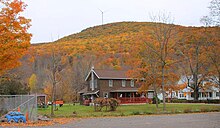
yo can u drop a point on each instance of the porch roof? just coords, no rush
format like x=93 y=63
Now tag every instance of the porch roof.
x=124 y=91
x=127 y=90
x=84 y=90
x=91 y=93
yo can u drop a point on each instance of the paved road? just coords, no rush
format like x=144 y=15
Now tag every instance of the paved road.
x=202 y=120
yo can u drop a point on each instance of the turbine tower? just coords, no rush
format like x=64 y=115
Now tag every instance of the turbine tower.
x=102 y=15
x=102 y=12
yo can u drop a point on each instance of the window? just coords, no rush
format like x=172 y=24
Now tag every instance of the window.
x=123 y=83
x=181 y=95
x=150 y=94
x=110 y=82
x=132 y=83
x=210 y=94
x=95 y=83
x=217 y=94
x=90 y=84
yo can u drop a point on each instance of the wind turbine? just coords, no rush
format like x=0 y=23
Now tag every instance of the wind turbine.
x=102 y=12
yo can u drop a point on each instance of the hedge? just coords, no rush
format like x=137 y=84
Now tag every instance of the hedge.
x=199 y=101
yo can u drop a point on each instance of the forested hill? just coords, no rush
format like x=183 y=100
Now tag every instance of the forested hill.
x=109 y=29
x=110 y=46
x=105 y=38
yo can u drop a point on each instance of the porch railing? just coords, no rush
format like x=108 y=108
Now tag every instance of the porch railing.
x=125 y=100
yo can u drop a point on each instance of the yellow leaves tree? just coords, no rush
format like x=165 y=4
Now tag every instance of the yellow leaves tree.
x=32 y=83
x=48 y=90
x=14 y=39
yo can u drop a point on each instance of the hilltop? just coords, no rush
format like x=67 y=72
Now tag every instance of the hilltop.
x=110 y=39
x=99 y=37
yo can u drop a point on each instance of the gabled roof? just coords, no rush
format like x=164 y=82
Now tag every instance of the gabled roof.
x=109 y=74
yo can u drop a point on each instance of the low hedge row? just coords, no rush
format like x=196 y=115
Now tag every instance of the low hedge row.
x=199 y=101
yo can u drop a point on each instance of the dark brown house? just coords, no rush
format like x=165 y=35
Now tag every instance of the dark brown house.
x=113 y=84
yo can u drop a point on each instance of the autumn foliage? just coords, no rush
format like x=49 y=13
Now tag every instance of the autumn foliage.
x=14 y=39
x=118 y=46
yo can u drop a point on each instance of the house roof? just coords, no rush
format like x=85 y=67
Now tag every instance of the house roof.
x=109 y=74
x=91 y=93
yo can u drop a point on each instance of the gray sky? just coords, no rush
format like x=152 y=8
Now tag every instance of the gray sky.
x=53 y=19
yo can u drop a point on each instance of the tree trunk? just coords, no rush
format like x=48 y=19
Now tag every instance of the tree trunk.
x=195 y=81
x=52 y=110
x=195 y=76
x=163 y=92
x=154 y=85
x=53 y=83
x=155 y=94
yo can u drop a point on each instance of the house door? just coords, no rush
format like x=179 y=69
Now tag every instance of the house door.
x=105 y=94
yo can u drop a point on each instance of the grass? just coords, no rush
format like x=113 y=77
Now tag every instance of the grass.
x=125 y=110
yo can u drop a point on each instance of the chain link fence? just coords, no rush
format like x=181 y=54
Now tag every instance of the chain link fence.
x=26 y=104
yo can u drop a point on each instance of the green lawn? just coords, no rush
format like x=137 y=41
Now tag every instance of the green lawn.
x=125 y=110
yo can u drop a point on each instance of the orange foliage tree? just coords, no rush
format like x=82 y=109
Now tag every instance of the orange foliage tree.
x=162 y=45
x=14 y=39
x=200 y=51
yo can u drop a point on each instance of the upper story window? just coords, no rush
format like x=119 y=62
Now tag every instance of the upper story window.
x=132 y=83
x=123 y=83
x=95 y=83
x=110 y=83
x=90 y=84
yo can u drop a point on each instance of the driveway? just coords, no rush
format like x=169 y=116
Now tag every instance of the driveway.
x=201 y=120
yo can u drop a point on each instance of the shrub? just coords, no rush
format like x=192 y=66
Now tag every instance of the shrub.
x=204 y=109
x=173 y=110
x=213 y=101
x=136 y=113
x=187 y=110
x=2 y=112
x=154 y=100
x=110 y=103
x=122 y=114
x=199 y=101
x=179 y=101
x=148 y=113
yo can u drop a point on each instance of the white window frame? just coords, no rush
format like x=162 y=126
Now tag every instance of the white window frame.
x=132 y=83
x=110 y=83
x=123 y=83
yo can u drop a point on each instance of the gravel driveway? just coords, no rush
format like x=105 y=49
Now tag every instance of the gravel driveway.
x=201 y=120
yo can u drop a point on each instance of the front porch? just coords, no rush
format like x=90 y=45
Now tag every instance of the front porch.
x=131 y=97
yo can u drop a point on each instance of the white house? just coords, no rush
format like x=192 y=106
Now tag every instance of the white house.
x=210 y=92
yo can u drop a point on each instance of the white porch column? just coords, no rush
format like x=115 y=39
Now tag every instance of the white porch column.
x=213 y=95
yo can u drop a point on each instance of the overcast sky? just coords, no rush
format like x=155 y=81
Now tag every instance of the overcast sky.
x=53 y=19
